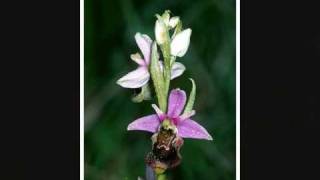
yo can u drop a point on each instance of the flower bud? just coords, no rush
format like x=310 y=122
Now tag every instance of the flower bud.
x=166 y=17
x=160 y=32
x=173 y=22
x=180 y=43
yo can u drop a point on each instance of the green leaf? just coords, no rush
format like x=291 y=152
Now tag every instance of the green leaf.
x=191 y=99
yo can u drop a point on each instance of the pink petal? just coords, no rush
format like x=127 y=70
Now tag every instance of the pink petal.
x=160 y=114
x=144 y=42
x=135 y=79
x=147 y=123
x=177 y=100
x=191 y=129
x=177 y=69
x=138 y=59
x=187 y=115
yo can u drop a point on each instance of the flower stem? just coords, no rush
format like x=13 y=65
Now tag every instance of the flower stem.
x=164 y=41
x=161 y=177
x=165 y=48
x=150 y=174
x=157 y=78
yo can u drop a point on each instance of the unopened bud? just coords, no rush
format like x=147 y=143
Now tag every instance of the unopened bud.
x=180 y=43
x=174 y=21
x=160 y=31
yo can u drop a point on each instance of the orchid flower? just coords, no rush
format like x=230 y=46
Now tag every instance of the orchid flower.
x=139 y=77
x=185 y=127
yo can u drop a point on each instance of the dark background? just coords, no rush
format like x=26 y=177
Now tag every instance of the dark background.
x=40 y=90
x=113 y=153
x=280 y=53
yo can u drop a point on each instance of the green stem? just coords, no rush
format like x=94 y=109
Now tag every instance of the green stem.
x=161 y=176
x=165 y=48
x=157 y=78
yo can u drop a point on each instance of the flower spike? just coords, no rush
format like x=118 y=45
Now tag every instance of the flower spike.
x=172 y=120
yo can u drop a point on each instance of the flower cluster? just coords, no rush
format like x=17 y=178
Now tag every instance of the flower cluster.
x=171 y=121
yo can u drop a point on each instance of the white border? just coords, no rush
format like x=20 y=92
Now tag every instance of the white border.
x=238 y=89
x=81 y=90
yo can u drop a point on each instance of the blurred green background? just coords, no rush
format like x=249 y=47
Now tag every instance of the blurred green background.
x=111 y=152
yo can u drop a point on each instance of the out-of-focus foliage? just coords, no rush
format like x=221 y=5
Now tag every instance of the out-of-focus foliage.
x=111 y=152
